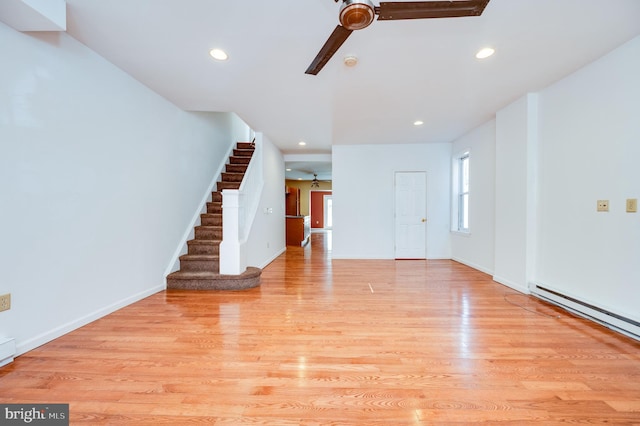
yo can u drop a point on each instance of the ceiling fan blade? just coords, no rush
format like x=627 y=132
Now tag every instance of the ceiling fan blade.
x=430 y=9
x=337 y=37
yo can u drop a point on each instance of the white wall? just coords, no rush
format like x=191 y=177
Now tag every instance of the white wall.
x=98 y=178
x=363 y=197
x=476 y=249
x=267 y=236
x=590 y=150
x=556 y=153
x=514 y=141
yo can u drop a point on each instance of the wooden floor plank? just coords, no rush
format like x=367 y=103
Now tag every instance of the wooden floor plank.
x=338 y=342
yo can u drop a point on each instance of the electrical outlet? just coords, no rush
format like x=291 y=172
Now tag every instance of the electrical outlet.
x=5 y=302
x=603 y=205
x=632 y=205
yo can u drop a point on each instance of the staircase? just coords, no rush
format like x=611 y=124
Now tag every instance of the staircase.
x=199 y=268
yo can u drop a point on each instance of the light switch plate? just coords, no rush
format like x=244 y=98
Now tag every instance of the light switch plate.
x=603 y=205
x=632 y=205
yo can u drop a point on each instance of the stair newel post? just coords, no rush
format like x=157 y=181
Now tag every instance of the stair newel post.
x=232 y=258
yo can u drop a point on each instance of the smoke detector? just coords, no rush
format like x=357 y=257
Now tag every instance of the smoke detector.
x=351 y=60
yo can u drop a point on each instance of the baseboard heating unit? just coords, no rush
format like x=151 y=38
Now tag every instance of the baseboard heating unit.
x=7 y=350
x=616 y=322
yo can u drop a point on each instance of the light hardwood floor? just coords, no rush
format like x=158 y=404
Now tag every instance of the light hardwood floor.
x=321 y=342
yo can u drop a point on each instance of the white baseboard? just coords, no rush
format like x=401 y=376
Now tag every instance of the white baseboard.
x=342 y=257
x=272 y=258
x=511 y=284
x=473 y=265
x=30 y=344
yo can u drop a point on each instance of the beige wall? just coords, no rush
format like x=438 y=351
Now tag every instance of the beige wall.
x=305 y=188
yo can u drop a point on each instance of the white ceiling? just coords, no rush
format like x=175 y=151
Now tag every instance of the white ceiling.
x=407 y=70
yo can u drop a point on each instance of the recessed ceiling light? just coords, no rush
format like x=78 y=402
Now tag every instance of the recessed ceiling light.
x=218 y=54
x=418 y=123
x=302 y=143
x=485 y=53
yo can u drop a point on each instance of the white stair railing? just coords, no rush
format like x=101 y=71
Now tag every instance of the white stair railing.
x=239 y=207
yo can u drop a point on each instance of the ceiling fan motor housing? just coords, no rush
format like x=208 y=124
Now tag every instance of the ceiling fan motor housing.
x=356 y=14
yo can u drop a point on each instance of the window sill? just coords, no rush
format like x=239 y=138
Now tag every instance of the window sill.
x=465 y=234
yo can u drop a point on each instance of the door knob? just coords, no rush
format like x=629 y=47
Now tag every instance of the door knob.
x=424 y=220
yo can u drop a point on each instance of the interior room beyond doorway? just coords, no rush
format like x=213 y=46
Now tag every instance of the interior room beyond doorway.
x=314 y=202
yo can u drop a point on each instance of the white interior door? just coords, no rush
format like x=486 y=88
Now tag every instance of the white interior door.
x=411 y=214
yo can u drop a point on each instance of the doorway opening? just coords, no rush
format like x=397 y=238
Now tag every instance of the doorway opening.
x=328 y=211
x=321 y=208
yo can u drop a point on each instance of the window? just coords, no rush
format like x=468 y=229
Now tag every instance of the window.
x=463 y=193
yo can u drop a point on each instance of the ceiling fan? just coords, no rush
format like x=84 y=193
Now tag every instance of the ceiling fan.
x=359 y=14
